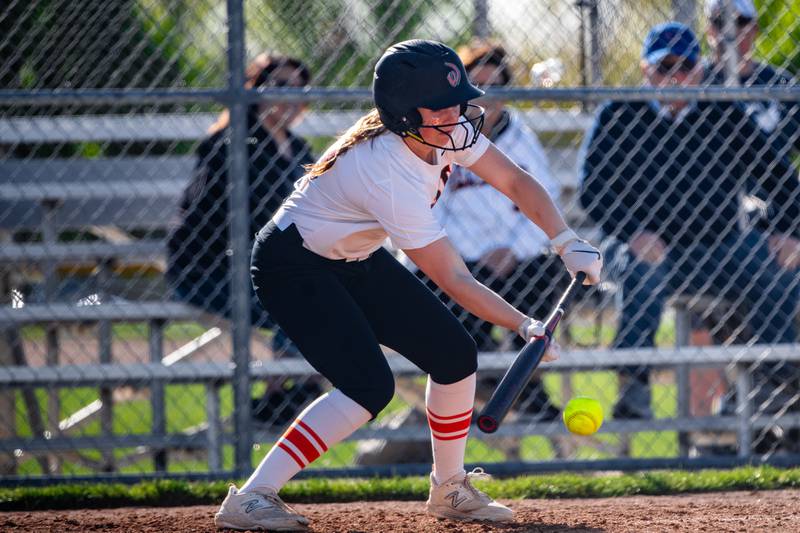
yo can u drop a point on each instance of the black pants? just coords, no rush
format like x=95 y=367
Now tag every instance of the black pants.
x=338 y=312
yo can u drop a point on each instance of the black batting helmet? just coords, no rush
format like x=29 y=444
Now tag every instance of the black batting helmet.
x=422 y=73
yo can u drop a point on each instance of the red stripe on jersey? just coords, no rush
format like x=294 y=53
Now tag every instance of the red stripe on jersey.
x=302 y=443
x=313 y=434
x=453 y=437
x=465 y=413
x=293 y=455
x=449 y=427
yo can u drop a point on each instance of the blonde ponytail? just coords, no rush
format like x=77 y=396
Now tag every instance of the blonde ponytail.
x=367 y=127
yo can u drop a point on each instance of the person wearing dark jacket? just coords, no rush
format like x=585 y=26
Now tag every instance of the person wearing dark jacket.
x=664 y=181
x=778 y=120
x=199 y=244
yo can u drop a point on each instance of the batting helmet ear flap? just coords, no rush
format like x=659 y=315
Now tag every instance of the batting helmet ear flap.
x=413 y=119
x=411 y=122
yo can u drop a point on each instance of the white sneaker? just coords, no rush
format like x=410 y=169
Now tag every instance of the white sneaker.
x=456 y=498
x=257 y=511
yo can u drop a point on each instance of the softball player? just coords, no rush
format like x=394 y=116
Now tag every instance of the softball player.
x=319 y=269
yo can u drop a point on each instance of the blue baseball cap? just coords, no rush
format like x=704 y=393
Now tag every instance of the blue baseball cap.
x=670 y=38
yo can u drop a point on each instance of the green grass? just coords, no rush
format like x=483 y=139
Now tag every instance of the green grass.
x=185 y=407
x=564 y=485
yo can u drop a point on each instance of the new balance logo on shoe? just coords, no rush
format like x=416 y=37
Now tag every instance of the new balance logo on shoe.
x=455 y=501
x=257 y=511
x=252 y=505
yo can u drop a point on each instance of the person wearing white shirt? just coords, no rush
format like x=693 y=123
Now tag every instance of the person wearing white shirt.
x=320 y=270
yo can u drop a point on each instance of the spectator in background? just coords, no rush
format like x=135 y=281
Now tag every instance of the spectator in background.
x=199 y=245
x=663 y=179
x=779 y=121
x=502 y=248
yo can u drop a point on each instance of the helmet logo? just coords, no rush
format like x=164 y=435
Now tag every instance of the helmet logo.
x=454 y=76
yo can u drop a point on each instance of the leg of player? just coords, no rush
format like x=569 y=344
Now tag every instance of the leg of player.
x=452 y=494
x=443 y=349
x=325 y=422
x=335 y=339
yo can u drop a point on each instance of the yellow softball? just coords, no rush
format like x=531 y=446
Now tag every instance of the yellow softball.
x=582 y=415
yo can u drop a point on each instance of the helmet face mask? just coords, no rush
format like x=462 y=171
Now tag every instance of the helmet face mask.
x=470 y=123
x=425 y=74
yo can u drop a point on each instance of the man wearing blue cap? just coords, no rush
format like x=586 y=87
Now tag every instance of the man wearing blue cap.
x=663 y=179
x=780 y=121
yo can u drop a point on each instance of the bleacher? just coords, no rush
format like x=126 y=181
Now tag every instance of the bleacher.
x=114 y=195
x=51 y=195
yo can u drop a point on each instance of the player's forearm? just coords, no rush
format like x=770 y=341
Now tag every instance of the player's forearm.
x=535 y=203
x=482 y=301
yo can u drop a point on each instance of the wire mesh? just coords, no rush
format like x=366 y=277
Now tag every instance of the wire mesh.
x=115 y=219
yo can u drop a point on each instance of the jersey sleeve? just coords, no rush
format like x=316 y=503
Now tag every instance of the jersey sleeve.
x=404 y=213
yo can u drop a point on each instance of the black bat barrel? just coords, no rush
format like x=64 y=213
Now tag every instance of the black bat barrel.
x=512 y=384
x=523 y=367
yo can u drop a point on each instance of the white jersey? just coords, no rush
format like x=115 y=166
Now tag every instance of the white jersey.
x=478 y=218
x=377 y=189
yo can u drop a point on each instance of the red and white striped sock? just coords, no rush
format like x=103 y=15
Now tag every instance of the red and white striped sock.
x=329 y=419
x=449 y=417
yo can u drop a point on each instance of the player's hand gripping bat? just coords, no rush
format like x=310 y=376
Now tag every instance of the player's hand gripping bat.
x=521 y=370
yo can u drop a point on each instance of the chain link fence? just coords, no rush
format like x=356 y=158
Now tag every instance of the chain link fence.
x=138 y=136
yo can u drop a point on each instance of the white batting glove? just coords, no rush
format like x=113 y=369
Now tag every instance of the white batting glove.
x=530 y=329
x=578 y=256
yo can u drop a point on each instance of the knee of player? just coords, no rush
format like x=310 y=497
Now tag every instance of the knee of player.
x=460 y=361
x=384 y=396
x=378 y=395
x=468 y=352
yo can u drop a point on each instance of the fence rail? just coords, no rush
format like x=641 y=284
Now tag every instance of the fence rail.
x=123 y=97
x=215 y=375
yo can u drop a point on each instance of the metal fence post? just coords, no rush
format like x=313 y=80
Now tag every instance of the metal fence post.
x=730 y=38
x=594 y=40
x=683 y=328
x=481 y=21
x=214 y=433
x=105 y=347
x=744 y=409
x=50 y=237
x=157 y=394
x=239 y=237
x=8 y=406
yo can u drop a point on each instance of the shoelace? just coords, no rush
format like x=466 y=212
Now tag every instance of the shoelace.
x=275 y=500
x=477 y=473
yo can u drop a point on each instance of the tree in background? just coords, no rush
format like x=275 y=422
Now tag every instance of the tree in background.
x=114 y=44
x=52 y=44
x=779 y=39
x=341 y=39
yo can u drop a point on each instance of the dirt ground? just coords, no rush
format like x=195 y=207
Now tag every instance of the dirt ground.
x=773 y=511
